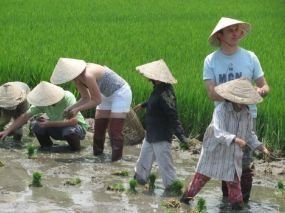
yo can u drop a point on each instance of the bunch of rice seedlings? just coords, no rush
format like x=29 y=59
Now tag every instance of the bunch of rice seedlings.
x=280 y=185
x=37 y=177
x=118 y=187
x=133 y=184
x=201 y=205
x=176 y=188
x=121 y=173
x=73 y=181
x=151 y=181
x=31 y=150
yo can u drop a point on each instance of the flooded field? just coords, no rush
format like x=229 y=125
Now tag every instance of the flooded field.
x=95 y=173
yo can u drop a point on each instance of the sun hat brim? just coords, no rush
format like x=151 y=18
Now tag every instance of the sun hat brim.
x=11 y=96
x=226 y=22
x=45 y=94
x=239 y=91
x=67 y=69
x=157 y=70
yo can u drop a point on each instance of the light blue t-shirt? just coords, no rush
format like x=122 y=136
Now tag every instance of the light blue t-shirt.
x=222 y=68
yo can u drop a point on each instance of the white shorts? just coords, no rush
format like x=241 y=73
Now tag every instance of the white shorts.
x=119 y=101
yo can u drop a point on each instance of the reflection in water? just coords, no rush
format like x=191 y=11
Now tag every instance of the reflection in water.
x=95 y=174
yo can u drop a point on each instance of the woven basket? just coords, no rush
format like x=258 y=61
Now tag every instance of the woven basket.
x=133 y=130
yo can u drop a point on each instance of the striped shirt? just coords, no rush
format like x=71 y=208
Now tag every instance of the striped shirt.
x=220 y=158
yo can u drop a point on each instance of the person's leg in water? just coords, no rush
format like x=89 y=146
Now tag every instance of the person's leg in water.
x=198 y=182
x=100 y=128
x=234 y=193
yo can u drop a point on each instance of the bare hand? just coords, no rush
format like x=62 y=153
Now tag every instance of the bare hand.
x=3 y=135
x=265 y=151
x=240 y=142
x=69 y=113
x=260 y=91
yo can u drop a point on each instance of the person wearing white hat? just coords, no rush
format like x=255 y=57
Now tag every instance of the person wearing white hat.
x=51 y=100
x=13 y=103
x=161 y=114
x=224 y=140
x=104 y=89
x=230 y=62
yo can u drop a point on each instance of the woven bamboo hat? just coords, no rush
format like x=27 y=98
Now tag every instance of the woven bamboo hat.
x=11 y=96
x=226 y=22
x=239 y=91
x=66 y=70
x=45 y=94
x=157 y=70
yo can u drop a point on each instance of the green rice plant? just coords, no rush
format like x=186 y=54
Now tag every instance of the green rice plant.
x=73 y=181
x=31 y=43
x=121 y=173
x=118 y=187
x=37 y=177
x=201 y=205
x=151 y=181
x=133 y=184
x=280 y=185
x=184 y=146
x=175 y=188
x=31 y=150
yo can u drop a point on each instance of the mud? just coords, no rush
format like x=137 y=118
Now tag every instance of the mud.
x=60 y=165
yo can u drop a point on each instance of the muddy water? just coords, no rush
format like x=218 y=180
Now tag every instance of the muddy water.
x=95 y=173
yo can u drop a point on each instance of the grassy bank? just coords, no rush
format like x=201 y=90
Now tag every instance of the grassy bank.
x=125 y=33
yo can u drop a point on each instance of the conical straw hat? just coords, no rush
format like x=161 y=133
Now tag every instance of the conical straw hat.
x=45 y=94
x=20 y=85
x=66 y=70
x=226 y=22
x=11 y=96
x=239 y=91
x=157 y=70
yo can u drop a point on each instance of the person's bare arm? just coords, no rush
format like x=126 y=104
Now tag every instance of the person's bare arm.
x=90 y=95
x=20 y=121
x=262 y=86
x=44 y=123
x=210 y=86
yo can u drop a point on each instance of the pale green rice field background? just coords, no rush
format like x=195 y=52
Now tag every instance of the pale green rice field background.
x=125 y=33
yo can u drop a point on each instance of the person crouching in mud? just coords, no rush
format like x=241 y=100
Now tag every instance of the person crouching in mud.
x=51 y=100
x=13 y=102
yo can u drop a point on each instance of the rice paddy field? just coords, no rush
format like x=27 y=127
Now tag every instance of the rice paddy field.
x=125 y=33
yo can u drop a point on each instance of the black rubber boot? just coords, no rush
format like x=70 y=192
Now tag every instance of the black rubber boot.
x=73 y=141
x=100 y=128
x=246 y=183
x=225 y=189
x=44 y=140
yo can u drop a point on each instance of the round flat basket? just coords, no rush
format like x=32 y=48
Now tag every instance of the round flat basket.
x=133 y=130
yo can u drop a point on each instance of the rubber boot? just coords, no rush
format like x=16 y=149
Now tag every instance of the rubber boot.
x=73 y=141
x=116 y=137
x=100 y=128
x=44 y=140
x=225 y=189
x=246 y=183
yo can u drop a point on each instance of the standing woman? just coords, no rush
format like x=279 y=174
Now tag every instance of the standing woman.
x=102 y=88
